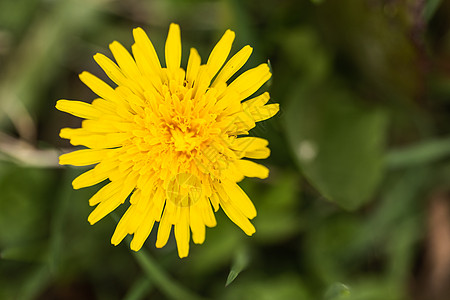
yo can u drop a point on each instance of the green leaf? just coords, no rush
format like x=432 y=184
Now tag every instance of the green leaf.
x=30 y=252
x=375 y=288
x=338 y=291
x=274 y=286
x=430 y=8
x=338 y=142
x=284 y=210
x=34 y=284
x=304 y=51
x=419 y=154
x=240 y=262
x=329 y=249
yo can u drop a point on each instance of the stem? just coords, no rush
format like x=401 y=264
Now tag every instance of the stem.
x=168 y=286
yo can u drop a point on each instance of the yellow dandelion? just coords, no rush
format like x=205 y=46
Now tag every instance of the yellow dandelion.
x=169 y=139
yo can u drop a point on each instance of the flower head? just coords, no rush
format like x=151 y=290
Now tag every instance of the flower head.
x=170 y=139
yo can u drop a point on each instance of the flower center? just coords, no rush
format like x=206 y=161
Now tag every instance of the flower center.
x=182 y=131
x=188 y=123
x=184 y=140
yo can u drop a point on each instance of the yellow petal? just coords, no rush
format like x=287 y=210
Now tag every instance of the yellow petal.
x=233 y=65
x=68 y=133
x=142 y=234
x=193 y=67
x=242 y=121
x=230 y=103
x=173 y=48
x=207 y=213
x=150 y=74
x=79 y=109
x=124 y=60
x=149 y=53
x=113 y=200
x=121 y=230
x=220 y=53
x=106 y=107
x=214 y=201
x=117 y=75
x=182 y=233
x=250 y=81
x=261 y=153
x=83 y=157
x=196 y=224
x=251 y=169
x=131 y=97
x=99 y=126
x=256 y=102
x=143 y=230
x=165 y=225
x=142 y=62
x=231 y=172
x=96 y=175
x=110 y=68
x=105 y=207
x=239 y=199
x=248 y=143
x=99 y=87
x=264 y=112
x=105 y=192
x=158 y=203
x=238 y=218
x=143 y=211
x=88 y=178
x=101 y=141
x=251 y=147
x=202 y=81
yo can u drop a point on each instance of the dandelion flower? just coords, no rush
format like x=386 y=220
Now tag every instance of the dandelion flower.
x=172 y=140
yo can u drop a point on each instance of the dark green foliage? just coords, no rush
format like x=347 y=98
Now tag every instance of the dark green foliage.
x=360 y=149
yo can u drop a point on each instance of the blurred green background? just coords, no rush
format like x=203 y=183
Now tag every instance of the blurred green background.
x=358 y=202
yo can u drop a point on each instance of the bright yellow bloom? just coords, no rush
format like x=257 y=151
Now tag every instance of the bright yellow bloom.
x=170 y=139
